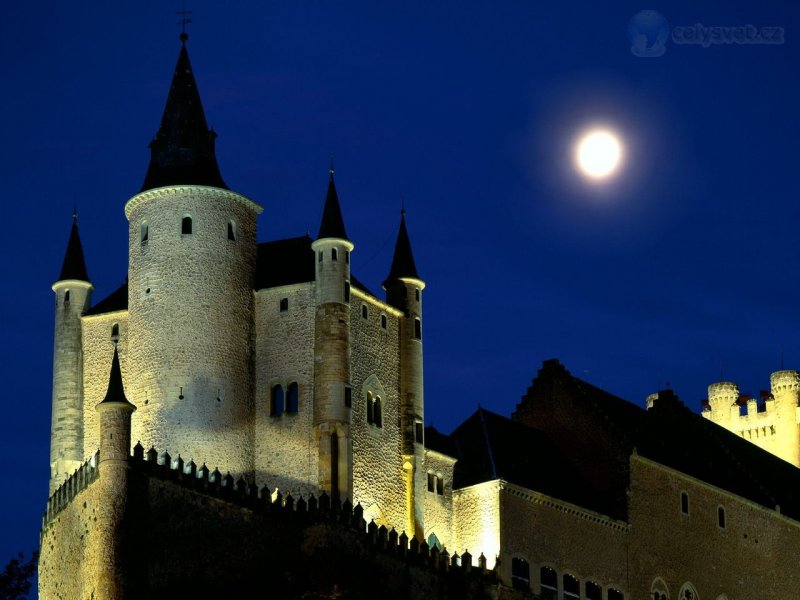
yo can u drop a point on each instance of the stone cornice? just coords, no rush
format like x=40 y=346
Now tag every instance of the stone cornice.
x=197 y=190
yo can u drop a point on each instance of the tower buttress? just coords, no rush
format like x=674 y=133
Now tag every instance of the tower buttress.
x=722 y=402
x=404 y=291
x=332 y=385
x=73 y=297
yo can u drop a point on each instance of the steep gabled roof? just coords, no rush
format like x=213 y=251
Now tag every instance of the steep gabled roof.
x=74 y=265
x=182 y=152
x=332 y=224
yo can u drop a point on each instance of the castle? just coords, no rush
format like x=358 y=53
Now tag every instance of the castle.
x=238 y=411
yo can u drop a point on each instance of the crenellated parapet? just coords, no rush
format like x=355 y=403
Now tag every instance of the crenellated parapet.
x=75 y=483
x=784 y=381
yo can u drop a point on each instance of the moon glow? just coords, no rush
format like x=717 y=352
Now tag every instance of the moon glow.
x=598 y=154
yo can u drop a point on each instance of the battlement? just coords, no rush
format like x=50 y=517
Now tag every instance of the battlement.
x=723 y=390
x=785 y=381
x=77 y=482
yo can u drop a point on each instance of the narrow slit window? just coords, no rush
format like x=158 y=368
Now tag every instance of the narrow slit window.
x=347 y=257
x=377 y=416
x=721 y=517
x=370 y=408
x=440 y=485
x=284 y=305
x=115 y=332
x=383 y=321
x=186 y=226
x=347 y=291
x=348 y=396
x=292 y=399
x=416 y=294
x=334 y=254
x=66 y=297
x=417 y=329
x=319 y=256
x=520 y=574
x=144 y=232
x=276 y=404
x=418 y=432
x=685 y=503
x=431 y=482
x=232 y=231
x=364 y=311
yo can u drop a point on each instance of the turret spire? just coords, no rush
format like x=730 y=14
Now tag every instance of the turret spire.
x=332 y=225
x=403 y=264
x=182 y=152
x=74 y=265
x=116 y=390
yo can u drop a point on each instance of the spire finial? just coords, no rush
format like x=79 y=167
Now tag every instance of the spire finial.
x=402 y=206
x=331 y=170
x=75 y=212
x=185 y=19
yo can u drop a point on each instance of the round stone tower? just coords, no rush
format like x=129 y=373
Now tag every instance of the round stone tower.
x=722 y=400
x=73 y=297
x=191 y=266
x=404 y=291
x=332 y=385
x=786 y=391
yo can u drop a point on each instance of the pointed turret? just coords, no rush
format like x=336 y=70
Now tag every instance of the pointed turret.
x=403 y=265
x=182 y=153
x=332 y=225
x=116 y=391
x=74 y=265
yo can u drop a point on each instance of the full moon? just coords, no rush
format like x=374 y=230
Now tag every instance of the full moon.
x=598 y=154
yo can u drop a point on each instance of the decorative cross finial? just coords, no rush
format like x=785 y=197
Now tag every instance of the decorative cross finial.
x=185 y=19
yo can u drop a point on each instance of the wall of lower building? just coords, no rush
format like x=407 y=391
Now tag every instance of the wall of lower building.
x=439 y=507
x=285 y=445
x=378 y=476
x=98 y=349
x=754 y=556
x=476 y=521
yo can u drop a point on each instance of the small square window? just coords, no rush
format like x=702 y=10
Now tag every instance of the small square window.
x=284 y=304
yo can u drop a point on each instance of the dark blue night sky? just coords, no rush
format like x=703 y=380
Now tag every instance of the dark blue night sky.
x=683 y=270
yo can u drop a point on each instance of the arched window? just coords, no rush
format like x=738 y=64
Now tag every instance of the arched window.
x=685 y=503
x=433 y=542
x=416 y=294
x=276 y=401
x=115 y=332
x=593 y=591
x=615 y=594
x=721 y=517
x=334 y=254
x=186 y=225
x=418 y=329
x=440 y=485
x=572 y=589
x=377 y=412
x=66 y=297
x=548 y=584
x=520 y=574
x=364 y=311
x=292 y=399
x=658 y=590
x=144 y=232
x=319 y=256
x=688 y=592
x=284 y=304
x=370 y=408
x=232 y=231
x=347 y=256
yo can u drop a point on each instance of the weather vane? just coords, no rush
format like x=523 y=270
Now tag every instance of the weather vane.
x=185 y=19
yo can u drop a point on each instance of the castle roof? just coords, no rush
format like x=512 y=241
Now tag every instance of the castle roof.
x=403 y=264
x=74 y=265
x=116 y=300
x=332 y=225
x=116 y=391
x=182 y=152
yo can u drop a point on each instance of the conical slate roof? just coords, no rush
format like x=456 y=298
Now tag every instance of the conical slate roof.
x=116 y=391
x=74 y=266
x=332 y=225
x=182 y=153
x=403 y=264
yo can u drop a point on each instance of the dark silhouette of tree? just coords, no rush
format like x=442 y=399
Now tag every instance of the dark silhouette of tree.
x=15 y=580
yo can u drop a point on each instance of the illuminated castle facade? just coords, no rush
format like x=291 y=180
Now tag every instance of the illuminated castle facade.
x=239 y=410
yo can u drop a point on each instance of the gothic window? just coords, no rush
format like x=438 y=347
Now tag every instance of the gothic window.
x=688 y=592
x=685 y=503
x=364 y=311
x=417 y=329
x=186 y=225
x=370 y=408
x=593 y=591
x=292 y=399
x=721 y=517
x=115 y=332
x=232 y=231
x=383 y=321
x=144 y=233
x=572 y=589
x=658 y=591
x=276 y=401
x=347 y=291
x=520 y=574
x=284 y=305
x=548 y=586
x=615 y=595
x=334 y=254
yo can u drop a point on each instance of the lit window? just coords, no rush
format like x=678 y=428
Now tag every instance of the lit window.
x=548 y=586
x=520 y=574
x=232 y=231
x=572 y=589
x=685 y=503
x=284 y=305
x=186 y=225
x=721 y=517
x=593 y=591
x=276 y=401
x=292 y=399
x=144 y=233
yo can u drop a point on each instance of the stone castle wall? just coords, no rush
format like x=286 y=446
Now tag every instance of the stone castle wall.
x=285 y=446
x=439 y=508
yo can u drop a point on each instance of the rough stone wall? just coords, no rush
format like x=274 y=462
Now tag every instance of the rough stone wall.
x=190 y=305
x=547 y=532
x=285 y=448
x=98 y=349
x=754 y=556
x=378 y=476
x=476 y=521
x=439 y=509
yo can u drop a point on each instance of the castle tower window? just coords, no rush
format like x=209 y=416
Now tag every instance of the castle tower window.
x=593 y=591
x=232 y=231
x=186 y=226
x=431 y=482
x=347 y=256
x=377 y=412
x=572 y=589
x=685 y=503
x=721 y=517
x=440 y=485
x=334 y=254
x=417 y=329
x=416 y=293
x=292 y=399
x=548 y=586
x=66 y=297
x=319 y=256
x=418 y=432
x=520 y=574
x=276 y=401
x=364 y=311
x=115 y=332
x=617 y=595
x=284 y=304
x=347 y=291
x=144 y=233
x=383 y=321
x=348 y=396
x=370 y=408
